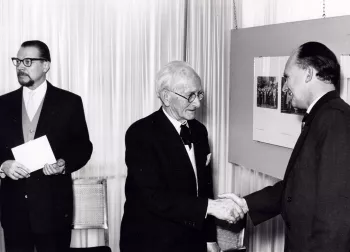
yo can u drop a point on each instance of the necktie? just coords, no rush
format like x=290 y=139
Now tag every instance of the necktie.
x=185 y=135
x=303 y=122
x=31 y=106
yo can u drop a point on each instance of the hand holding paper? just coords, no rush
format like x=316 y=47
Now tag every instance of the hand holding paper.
x=15 y=170
x=56 y=168
x=34 y=154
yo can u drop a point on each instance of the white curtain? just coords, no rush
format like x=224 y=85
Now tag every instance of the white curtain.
x=208 y=51
x=268 y=236
x=266 y=12
x=108 y=52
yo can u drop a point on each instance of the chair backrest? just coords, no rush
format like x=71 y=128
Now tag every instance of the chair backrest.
x=231 y=236
x=93 y=249
x=90 y=205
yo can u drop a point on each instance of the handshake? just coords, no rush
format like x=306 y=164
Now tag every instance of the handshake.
x=228 y=207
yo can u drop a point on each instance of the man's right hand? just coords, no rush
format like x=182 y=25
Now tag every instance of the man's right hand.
x=241 y=202
x=15 y=170
x=225 y=209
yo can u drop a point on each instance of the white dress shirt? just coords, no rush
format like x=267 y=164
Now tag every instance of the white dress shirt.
x=37 y=94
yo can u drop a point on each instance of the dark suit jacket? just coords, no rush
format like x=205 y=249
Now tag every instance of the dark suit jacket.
x=49 y=201
x=162 y=211
x=314 y=196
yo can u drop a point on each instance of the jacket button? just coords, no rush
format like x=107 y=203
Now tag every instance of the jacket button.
x=289 y=199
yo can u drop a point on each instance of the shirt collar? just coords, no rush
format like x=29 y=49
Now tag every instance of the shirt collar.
x=174 y=122
x=39 y=91
x=313 y=103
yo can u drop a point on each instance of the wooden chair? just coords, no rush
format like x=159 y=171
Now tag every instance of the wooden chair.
x=90 y=207
x=231 y=237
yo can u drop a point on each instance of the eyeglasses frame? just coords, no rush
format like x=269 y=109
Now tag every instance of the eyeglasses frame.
x=22 y=61
x=191 y=95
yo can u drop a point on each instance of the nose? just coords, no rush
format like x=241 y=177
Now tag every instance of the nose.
x=21 y=65
x=196 y=102
x=285 y=87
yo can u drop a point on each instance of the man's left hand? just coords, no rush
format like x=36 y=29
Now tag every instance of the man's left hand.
x=56 y=168
x=213 y=247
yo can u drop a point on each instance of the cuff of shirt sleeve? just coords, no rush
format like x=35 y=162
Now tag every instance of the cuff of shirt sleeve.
x=245 y=207
x=2 y=173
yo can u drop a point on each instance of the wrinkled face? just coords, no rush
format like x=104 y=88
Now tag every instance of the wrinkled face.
x=34 y=75
x=179 y=107
x=296 y=83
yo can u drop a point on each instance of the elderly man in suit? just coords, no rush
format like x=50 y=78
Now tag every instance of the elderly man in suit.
x=169 y=184
x=37 y=207
x=314 y=196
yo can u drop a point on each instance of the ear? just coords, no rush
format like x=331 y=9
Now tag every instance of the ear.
x=47 y=66
x=309 y=74
x=165 y=97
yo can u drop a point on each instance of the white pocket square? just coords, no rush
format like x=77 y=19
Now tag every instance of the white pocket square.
x=208 y=159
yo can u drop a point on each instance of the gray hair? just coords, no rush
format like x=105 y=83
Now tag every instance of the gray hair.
x=171 y=70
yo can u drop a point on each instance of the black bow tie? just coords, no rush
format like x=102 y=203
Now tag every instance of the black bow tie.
x=185 y=135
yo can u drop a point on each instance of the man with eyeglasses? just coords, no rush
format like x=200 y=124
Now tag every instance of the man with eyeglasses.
x=37 y=207
x=169 y=189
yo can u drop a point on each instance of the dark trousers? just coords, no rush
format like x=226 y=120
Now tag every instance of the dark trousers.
x=26 y=241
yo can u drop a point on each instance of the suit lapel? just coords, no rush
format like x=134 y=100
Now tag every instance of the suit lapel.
x=171 y=136
x=172 y=145
x=15 y=109
x=196 y=144
x=297 y=148
x=48 y=111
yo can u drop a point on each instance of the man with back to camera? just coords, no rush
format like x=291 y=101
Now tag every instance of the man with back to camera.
x=37 y=207
x=169 y=183
x=313 y=198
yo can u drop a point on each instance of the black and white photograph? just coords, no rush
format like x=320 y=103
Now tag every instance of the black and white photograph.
x=155 y=126
x=267 y=92
x=286 y=101
x=270 y=125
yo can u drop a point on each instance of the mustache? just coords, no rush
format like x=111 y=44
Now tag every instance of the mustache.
x=20 y=73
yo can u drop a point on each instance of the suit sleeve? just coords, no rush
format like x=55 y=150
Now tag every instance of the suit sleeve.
x=143 y=165
x=330 y=222
x=265 y=204
x=209 y=224
x=3 y=150
x=79 y=151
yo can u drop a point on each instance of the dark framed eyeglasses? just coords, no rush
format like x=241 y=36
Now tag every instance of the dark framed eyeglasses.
x=192 y=96
x=26 y=61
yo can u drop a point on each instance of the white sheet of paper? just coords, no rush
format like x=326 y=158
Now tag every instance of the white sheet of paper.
x=34 y=154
